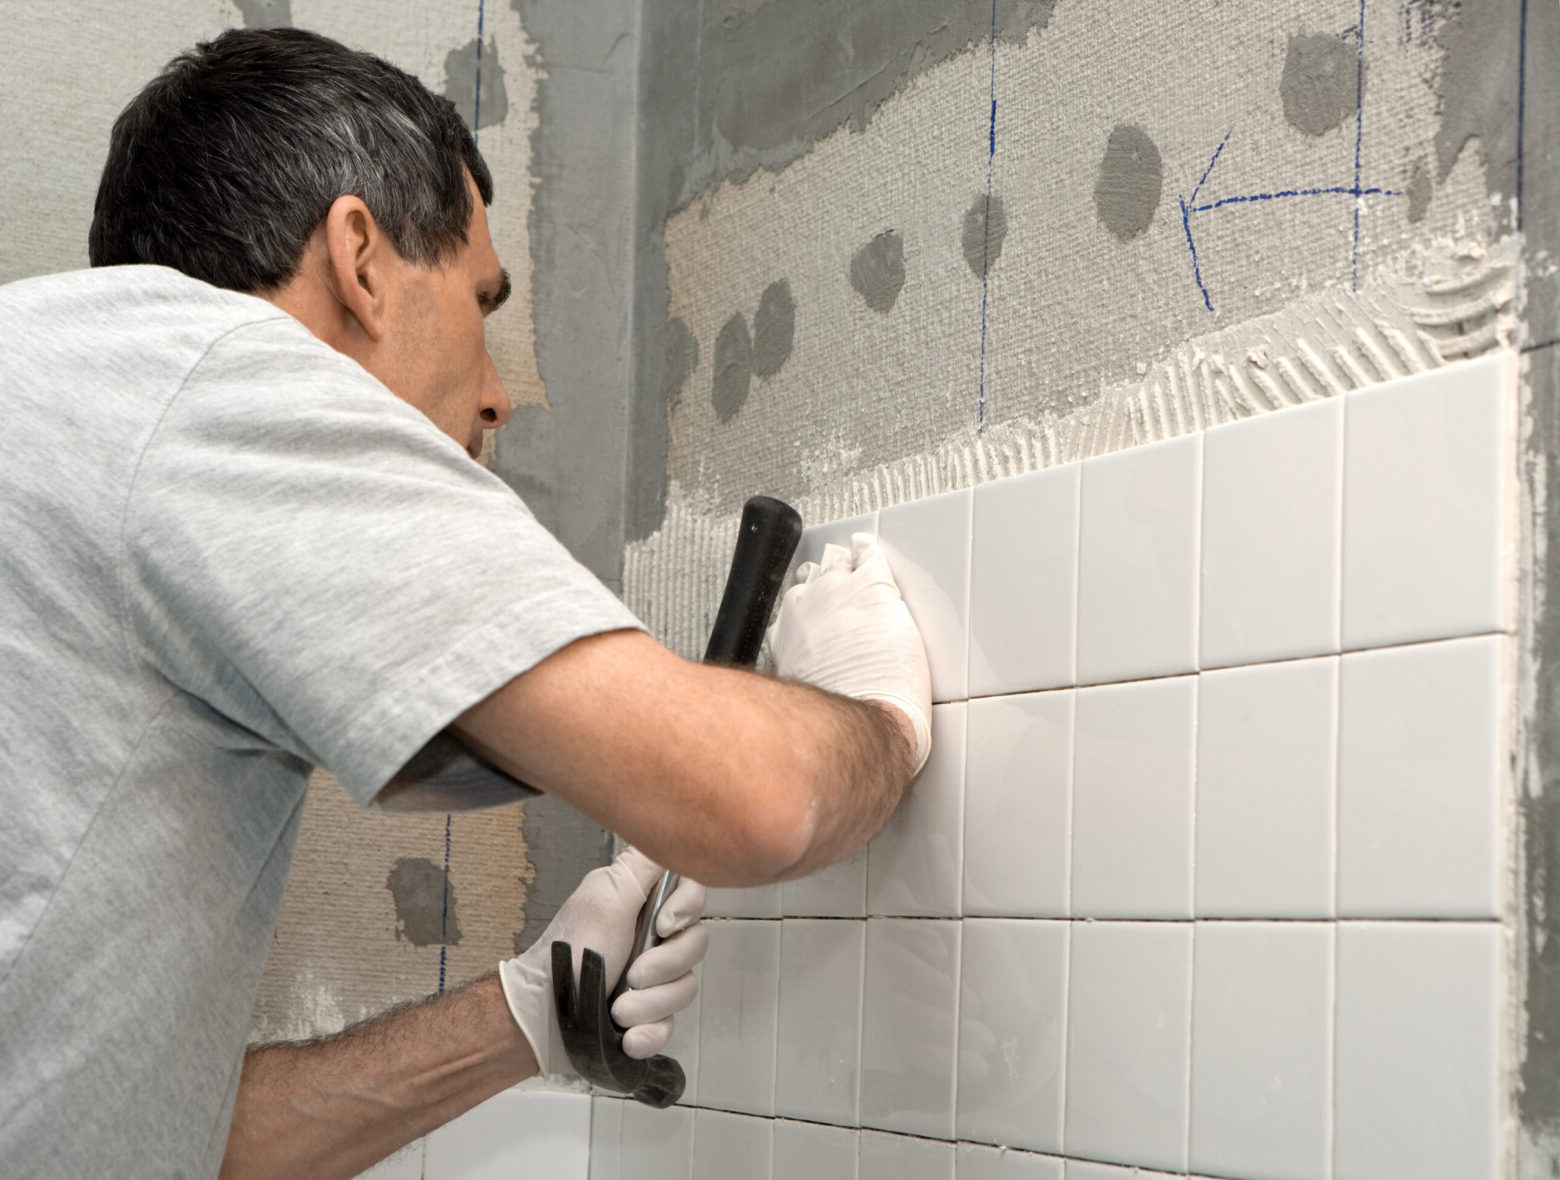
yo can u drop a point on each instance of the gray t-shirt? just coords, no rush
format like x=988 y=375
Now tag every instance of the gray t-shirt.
x=227 y=555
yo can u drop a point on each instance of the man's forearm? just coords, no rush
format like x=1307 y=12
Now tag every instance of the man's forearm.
x=336 y=1106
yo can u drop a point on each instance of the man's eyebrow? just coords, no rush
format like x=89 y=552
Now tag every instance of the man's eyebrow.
x=491 y=303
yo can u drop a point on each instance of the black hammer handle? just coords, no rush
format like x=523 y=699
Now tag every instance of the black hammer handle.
x=766 y=540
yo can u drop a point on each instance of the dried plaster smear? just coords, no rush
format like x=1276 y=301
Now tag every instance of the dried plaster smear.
x=1044 y=249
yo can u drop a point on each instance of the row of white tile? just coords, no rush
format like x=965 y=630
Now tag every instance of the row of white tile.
x=1383 y=516
x=1261 y=1050
x=1369 y=785
x=515 y=1133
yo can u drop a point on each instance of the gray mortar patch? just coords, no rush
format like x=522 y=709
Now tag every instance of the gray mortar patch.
x=460 y=83
x=1419 y=190
x=733 y=368
x=265 y=14
x=1321 y=86
x=984 y=231
x=774 y=329
x=1477 y=88
x=775 y=78
x=424 y=903
x=878 y=270
x=1131 y=179
x=682 y=358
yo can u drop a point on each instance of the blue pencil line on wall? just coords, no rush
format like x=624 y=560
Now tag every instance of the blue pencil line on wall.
x=1357 y=191
x=985 y=269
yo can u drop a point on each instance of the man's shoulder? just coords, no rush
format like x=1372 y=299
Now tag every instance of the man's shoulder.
x=119 y=291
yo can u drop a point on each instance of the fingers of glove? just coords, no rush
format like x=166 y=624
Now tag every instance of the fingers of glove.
x=682 y=909
x=872 y=564
x=646 y=1040
x=860 y=543
x=805 y=573
x=835 y=558
x=678 y=955
x=647 y=1005
x=633 y=869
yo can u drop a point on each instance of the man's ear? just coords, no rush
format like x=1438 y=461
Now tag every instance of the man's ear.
x=360 y=260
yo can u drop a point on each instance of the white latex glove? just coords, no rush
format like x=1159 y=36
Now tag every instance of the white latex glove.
x=844 y=627
x=600 y=915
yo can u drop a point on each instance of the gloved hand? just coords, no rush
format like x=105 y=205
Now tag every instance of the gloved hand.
x=600 y=915
x=844 y=627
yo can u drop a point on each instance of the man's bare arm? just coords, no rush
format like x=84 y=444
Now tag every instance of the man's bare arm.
x=724 y=775
x=334 y=1107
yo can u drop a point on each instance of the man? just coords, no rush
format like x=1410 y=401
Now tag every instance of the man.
x=242 y=534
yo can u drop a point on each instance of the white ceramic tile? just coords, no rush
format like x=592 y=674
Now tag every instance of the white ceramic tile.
x=406 y=1164
x=1129 y=1042
x=1420 y=1091
x=1262 y=1049
x=836 y=891
x=1428 y=504
x=1012 y=1029
x=606 y=1138
x=1420 y=795
x=897 y=1157
x=760 y=902
x=738 y=1002
x=1266 y=772
x=909 y=1026
x=806 y=1151
x=731 y=1145
x=683 y=1048
x=657 y=1144
x=1137 y=562
x=1079 y=1170
x=1272 y=491
x=543 y=1133
x=1132 y=800
x=928 y=545
x=974 y=1161
x=818 y=1058
x=915 y=864
x=1018 y=805
x=1024 y=583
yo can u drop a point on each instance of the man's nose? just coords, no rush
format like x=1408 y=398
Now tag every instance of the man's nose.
x=495 y=406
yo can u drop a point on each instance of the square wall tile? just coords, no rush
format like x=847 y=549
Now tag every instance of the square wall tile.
x=762 y=901
x=1079 y=1170
x=1012 y=1029
x=1429 y=504
x=909 y=1026
x=1018 y=805
x=1266 y=770
x=928 y=545
x=897 y=1157
x=514 y=1131
x=738 y=1006
x=1024 y=583
x=1129 y=1042
x=1139 y=523
x=835 y=891
x=683 y=1048
x=1132 y=800
x=818 y=1059
x=915 y=864
x=728 y=1145
x=1420 y=1088
x=1262 y=1049
x=1272 y=494
x=606 y=1139
x=1421 y=794
x=806 y=1151
x=973 y=1161
x=657 y=1144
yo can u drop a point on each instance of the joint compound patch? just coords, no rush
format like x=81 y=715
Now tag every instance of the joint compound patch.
x=424 y=903
x=474 y=82
x=733 y=368
x=774 y=329
x=1322 y=83
x=265 y=14
x=985 y=228
x=682 y=358
x=1130 y=182
x=878 y=270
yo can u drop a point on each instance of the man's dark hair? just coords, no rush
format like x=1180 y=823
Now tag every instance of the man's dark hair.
x=226 y=162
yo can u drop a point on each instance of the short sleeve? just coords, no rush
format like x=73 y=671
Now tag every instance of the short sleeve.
x=315 y=560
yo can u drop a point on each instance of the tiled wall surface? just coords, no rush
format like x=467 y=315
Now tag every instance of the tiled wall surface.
x=1208 y=873
x=516 y=1133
